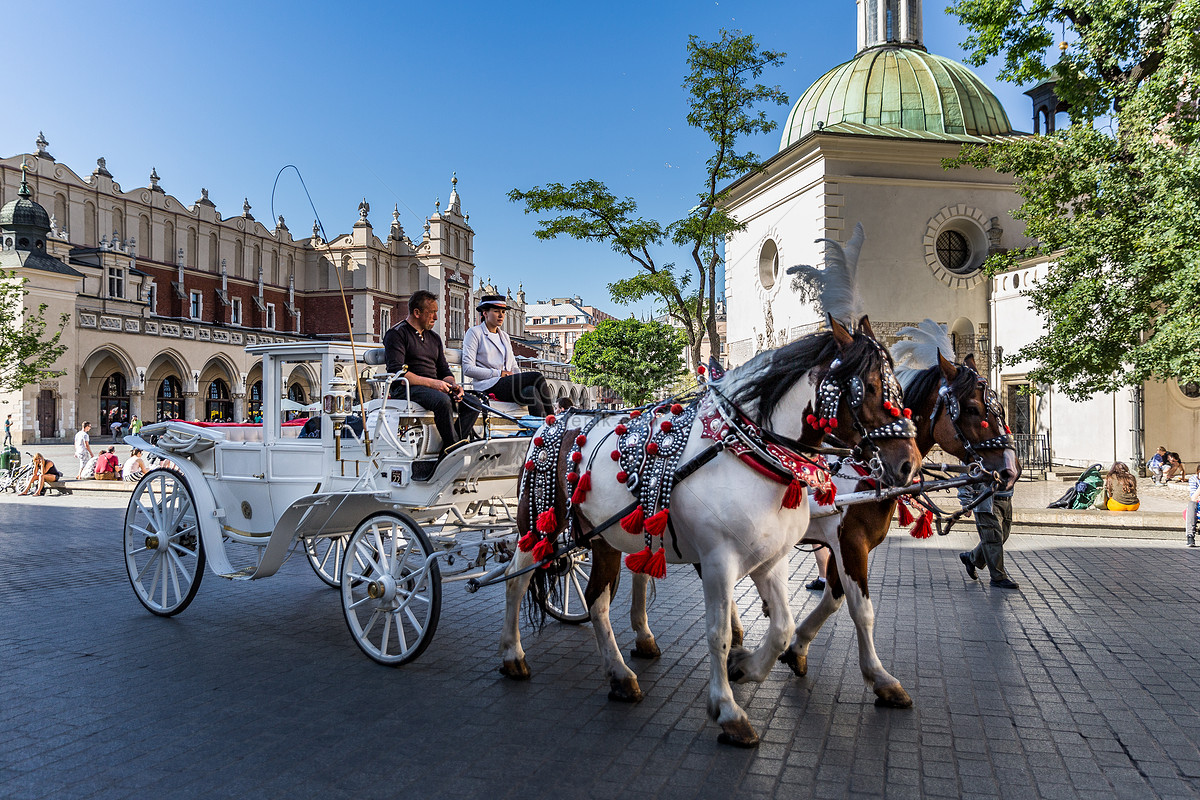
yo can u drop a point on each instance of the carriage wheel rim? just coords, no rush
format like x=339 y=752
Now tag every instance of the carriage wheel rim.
x=163 y=553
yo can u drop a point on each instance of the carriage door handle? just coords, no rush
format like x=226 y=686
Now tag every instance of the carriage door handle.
x=259 y=475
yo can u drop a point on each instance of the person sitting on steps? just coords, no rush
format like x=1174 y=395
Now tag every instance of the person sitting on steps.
x=413 y=342
x=44 y=472
x=488 y=360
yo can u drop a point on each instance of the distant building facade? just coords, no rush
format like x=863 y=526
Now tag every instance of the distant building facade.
x=162 y=297
x=560 y=322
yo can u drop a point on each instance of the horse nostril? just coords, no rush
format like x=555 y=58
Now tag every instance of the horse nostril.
x=906 y=471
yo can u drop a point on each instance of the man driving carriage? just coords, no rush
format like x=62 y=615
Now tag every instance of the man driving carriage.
x=413 y=342
x=489 y=361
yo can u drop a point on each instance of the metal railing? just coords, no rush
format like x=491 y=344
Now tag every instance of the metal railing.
x=1033 y=451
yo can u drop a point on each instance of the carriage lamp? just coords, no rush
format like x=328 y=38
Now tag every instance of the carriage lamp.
x=337 y=404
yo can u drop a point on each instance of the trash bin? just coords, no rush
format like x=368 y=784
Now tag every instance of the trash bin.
x=10 y=458
x=4 y=459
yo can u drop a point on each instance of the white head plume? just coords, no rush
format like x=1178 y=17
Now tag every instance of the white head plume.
x=920 y=350
x=835 y=286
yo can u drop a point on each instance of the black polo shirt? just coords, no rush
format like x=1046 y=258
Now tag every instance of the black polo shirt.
x=423 y=353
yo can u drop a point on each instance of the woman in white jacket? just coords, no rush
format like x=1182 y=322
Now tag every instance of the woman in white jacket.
x=489 y=361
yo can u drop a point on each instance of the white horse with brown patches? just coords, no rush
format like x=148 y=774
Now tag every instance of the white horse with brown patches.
x=727 y=517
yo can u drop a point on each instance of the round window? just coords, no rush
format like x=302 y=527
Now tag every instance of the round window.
x=768 y=264
x=1191 y=389
x=953 y=251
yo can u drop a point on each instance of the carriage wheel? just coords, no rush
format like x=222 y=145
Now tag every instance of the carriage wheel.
x=164 y=555
x=391 y=589
x=325 y=556
x=571 y=572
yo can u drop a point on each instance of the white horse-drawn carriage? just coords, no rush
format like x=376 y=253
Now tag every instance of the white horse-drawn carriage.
x=341 y=488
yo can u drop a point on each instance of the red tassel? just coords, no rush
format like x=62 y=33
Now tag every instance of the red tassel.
x=542 y=550
x=527 y=542
x=906 y=517
x=582 y=488
x=791 y=498
x=547 y=522
x=826 y=495
x=637 y=561
x=656 y=565
x=632 y=523
x=923 y=529
x=657 y=523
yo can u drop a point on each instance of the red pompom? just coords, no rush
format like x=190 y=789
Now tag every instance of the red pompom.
x=491 y=396
x=700 y=370
x=551 y=419
x=656 y=565
x=791 y=498
x=887 y=405
x=676 y=408
x=615 y=455
x=632 y=522
x=833 y=422
x=637 y=561
x=529 y=465
x=581 y=490
x=657 y=523
x=1007 y=429
x=635 y=413
x=923 y=529
x=822 y=422
x=895 y=412
x=543 y=550
x=652 y=448
x=577 y=456
x=527 y=542
x=622 y=476
x=666 y=425
x=621 y=429
x=811 y=419
x=547 y=522
x=908 y=413
x=828 y=429
x=572 y=477
x=581 y=440
x=906 y=517
x=983 y=424
x=538 y=441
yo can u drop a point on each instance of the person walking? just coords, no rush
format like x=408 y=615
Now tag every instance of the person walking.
x=8 y=431
x=83 y=448
x=993 y=522
x=817 y=584
x=135 y=426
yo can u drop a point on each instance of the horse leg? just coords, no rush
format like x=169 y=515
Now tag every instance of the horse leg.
x=853 y=572
x=722 y=707
x=644 y=644
x=771 y=581
x=796 y=656
x=512 y=656
x=606 y=566
x=737 y=632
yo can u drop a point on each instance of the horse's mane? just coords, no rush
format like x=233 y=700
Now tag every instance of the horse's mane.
x=762 y=382
x=921 y=383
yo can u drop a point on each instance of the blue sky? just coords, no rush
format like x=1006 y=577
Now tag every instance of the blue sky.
x=386 y=100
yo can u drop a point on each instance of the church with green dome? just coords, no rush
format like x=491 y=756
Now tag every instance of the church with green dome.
x=864 y=143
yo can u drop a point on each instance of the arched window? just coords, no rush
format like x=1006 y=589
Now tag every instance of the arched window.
x=217 y=405
x=118 y=224
x=214 y=252
x=114 y=400
x=169 y=254
x=296 y=392
x=768 y=264
x=143 y=240
x=255 y=406
x=60 y=212
x=89 y=224
x=169 y=404
x=193 y=248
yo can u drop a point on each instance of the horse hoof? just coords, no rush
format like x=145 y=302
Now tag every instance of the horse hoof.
x=516 y=669
x=738 y=734
x=645 y=650
x=797 y=664
x=625 y=691
x=892 y=697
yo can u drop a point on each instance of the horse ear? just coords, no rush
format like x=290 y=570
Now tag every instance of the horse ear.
x=864 y=326
x=948 y=369
x=970 y=362
x=842 y=336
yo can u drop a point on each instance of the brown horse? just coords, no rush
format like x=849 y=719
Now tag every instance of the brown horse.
x=969 y=426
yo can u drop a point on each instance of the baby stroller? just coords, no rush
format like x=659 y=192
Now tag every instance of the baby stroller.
x=1085 y=490
x=13 y=477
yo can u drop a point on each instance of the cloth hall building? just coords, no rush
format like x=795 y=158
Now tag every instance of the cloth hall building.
x=162 y=296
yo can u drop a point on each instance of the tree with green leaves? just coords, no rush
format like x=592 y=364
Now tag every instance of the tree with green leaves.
x=634 y=359
x=723 y=100
x=27 y=354
x=1114 y=198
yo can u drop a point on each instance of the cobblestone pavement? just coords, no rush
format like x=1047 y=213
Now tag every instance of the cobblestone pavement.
x=1083 y=684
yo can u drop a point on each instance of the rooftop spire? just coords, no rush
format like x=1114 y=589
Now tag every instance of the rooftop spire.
x=889 y=22
x=24 y=190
